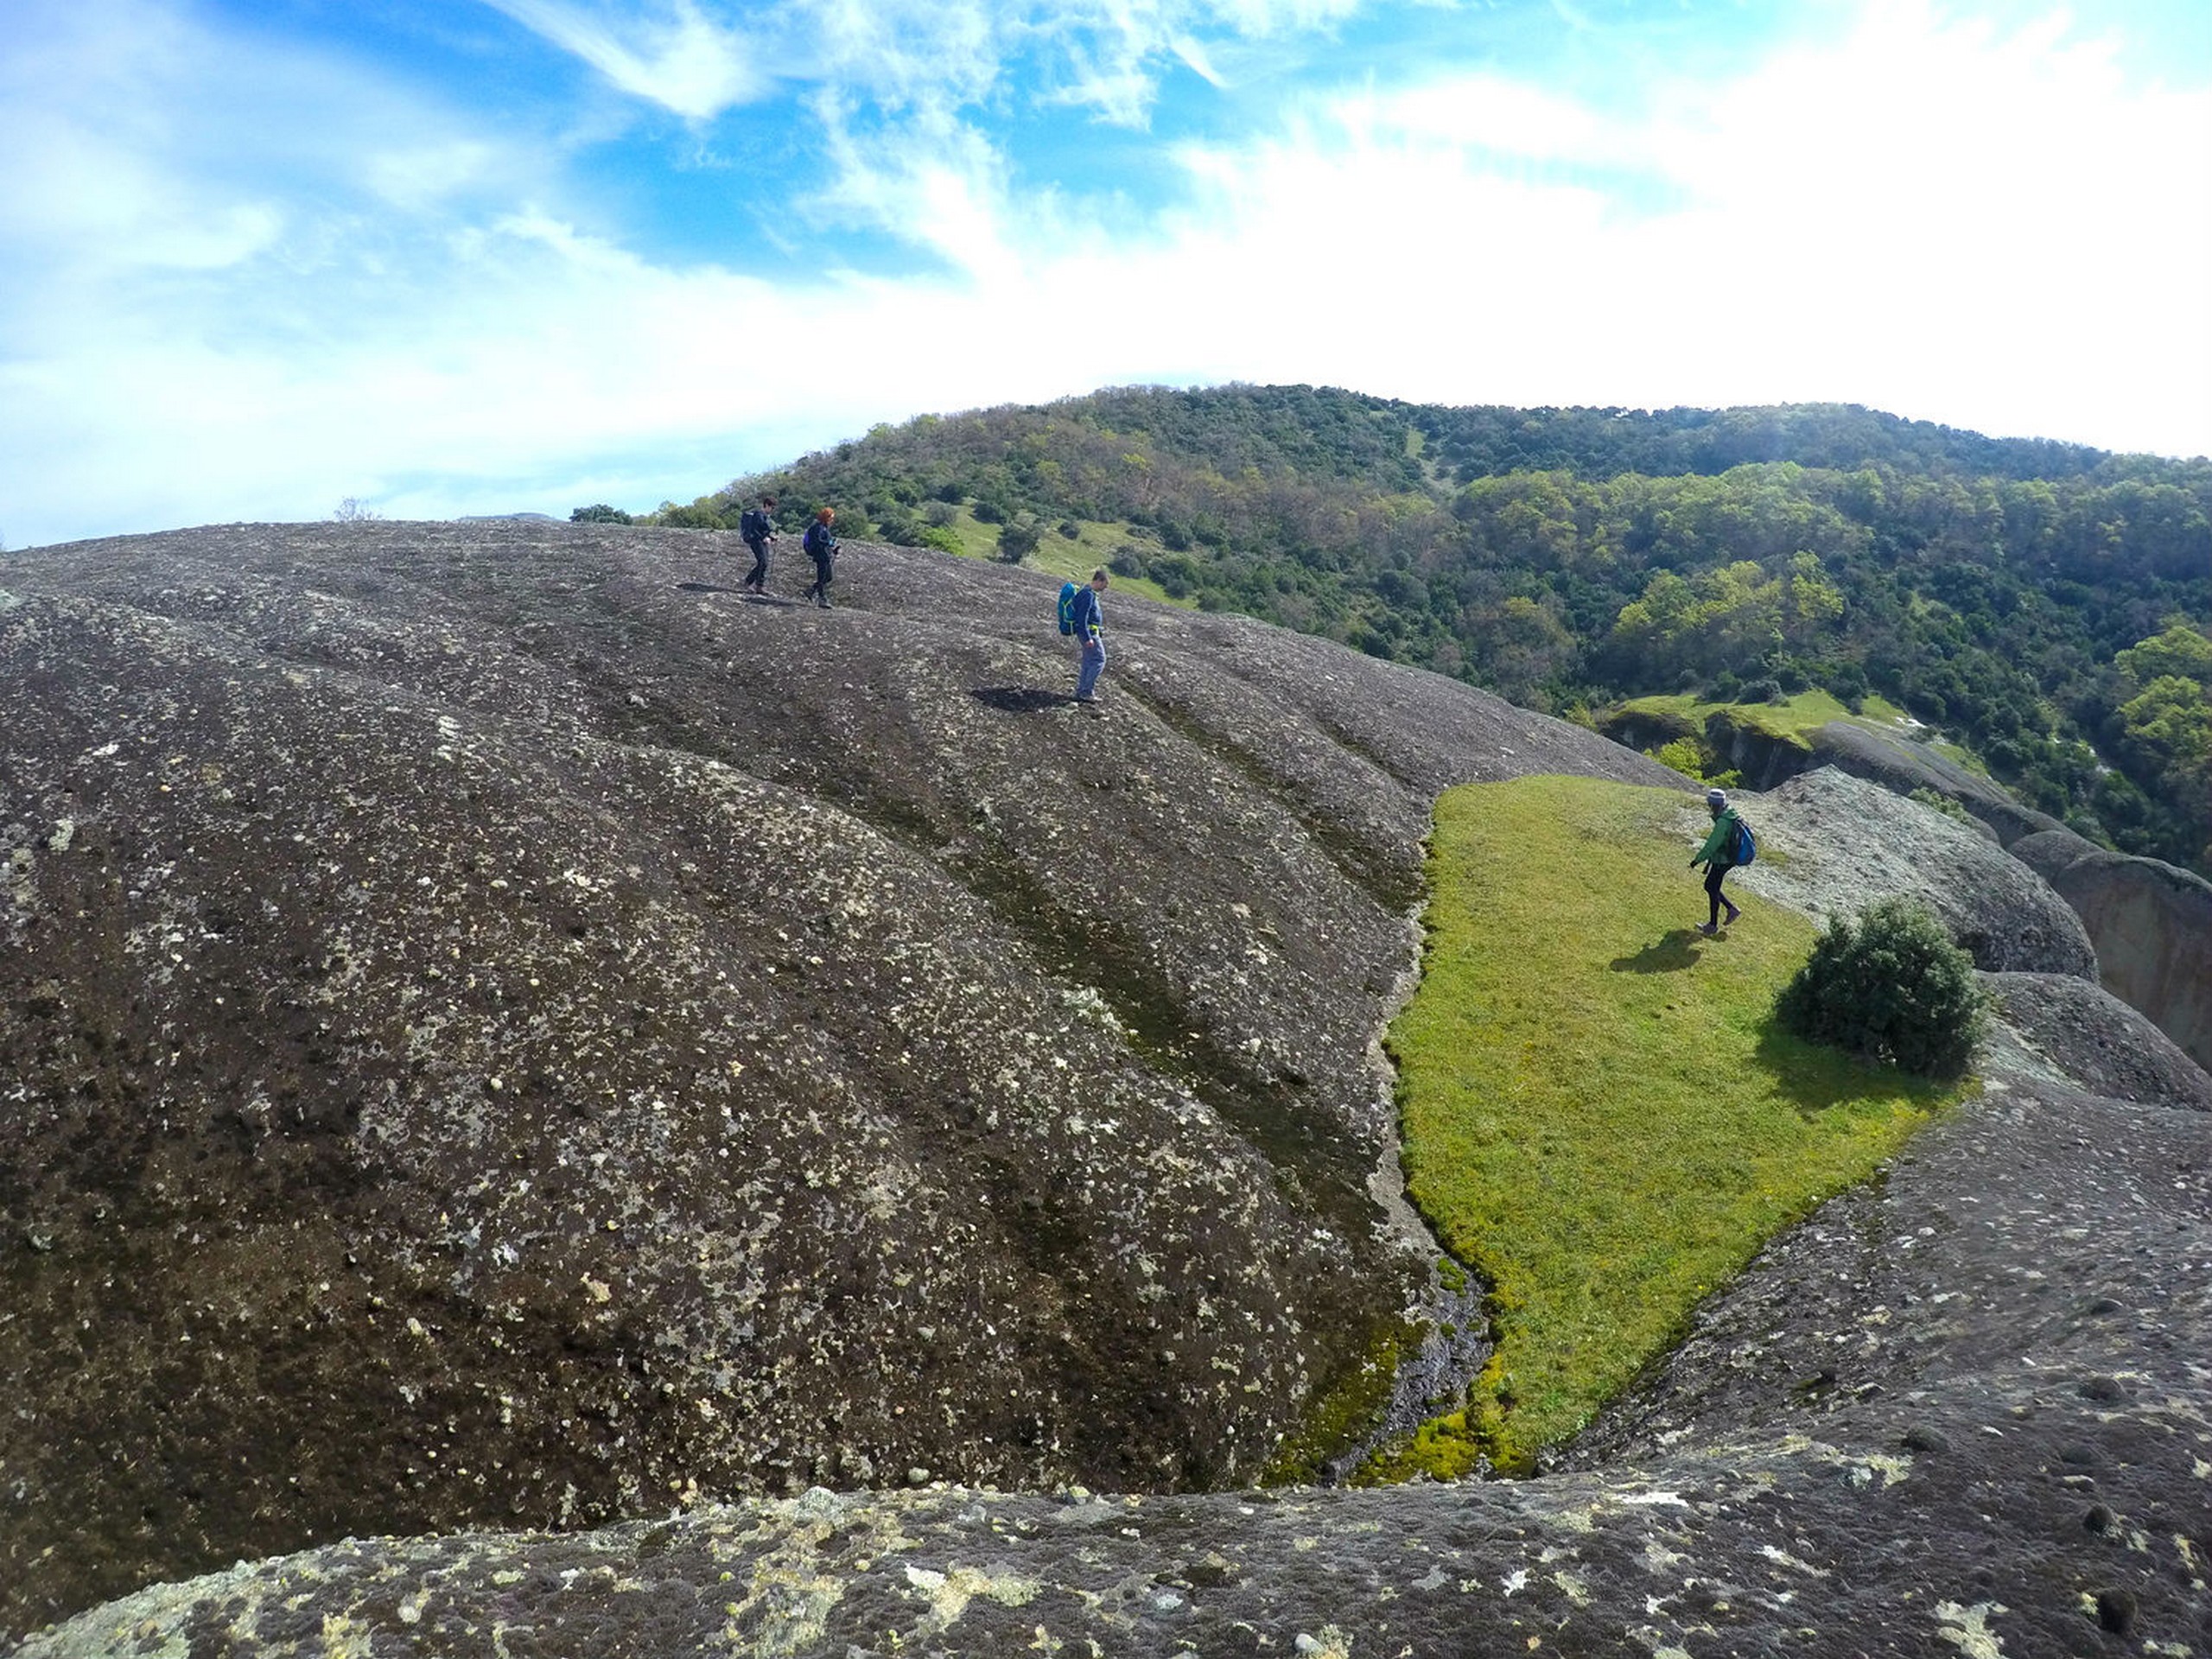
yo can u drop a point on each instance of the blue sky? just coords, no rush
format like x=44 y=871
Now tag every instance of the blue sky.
x=502 y=255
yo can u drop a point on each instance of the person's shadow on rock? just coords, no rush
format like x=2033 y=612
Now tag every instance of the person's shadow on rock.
x=1019 y=699
x=1674 y=950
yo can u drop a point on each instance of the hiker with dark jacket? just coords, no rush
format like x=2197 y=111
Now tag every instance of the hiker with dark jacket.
x=821 y=547
x=758 y=526
x=1718 y=857
x=1091 y=629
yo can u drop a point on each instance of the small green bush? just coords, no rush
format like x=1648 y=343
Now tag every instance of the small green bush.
x=1890 y=987
x=1685 y=755
x=600 y=513
x=1018 y=539
x=1941 y=802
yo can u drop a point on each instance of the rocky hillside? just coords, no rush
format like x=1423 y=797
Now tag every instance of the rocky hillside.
x=1963 y=1410
x=503 y=1031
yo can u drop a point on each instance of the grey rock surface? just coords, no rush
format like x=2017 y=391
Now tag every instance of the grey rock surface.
x=281 y=1263
x=2152 y=924
x=2096 y=1041
x=1963 y=1410
x=1902 y=766
x=502 y=1030
x=2049 y=851
x=1833 y=843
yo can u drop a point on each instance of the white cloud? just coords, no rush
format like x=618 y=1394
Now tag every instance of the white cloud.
x=1985 y=227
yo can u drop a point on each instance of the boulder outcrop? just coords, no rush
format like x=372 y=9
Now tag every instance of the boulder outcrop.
x=1833 y=844
x=2150 y=922
x=503 y=1031
x=1903 y=766
x=2097 y=1042
x=2152 y=925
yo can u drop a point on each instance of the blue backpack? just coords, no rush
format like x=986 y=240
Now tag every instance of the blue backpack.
x=1747 y=846
x=1068 y=591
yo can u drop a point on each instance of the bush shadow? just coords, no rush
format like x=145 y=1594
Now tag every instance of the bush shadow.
x=1812 y=1077
x=1021 y=699
x=1674 y=950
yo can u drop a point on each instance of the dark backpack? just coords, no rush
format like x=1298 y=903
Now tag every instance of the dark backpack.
x=1747 y=845
x=819 y=542
x=752 y=525
x=1068 y=591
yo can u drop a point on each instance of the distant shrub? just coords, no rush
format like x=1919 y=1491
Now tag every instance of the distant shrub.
x=990 y=511
x=1070 y=529
x=1890 y=987
x=600 y=513
x=1177 y=573
x=1018 y=540
x=940 y=514
x=1760 y=690
x=944 y=540
x=1125 y=560
x=353 y=511
x=694 y=517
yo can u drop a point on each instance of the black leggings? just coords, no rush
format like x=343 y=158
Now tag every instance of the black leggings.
x=1713 y=872
x=825 y=572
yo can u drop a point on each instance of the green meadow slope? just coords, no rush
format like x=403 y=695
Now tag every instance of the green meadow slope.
x=1600 y=1114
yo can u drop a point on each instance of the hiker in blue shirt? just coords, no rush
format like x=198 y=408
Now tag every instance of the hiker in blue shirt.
x=821 y=547
x=758 y=526
x=1091 y=628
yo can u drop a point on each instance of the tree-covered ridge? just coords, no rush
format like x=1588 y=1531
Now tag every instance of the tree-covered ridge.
x=2034 y=600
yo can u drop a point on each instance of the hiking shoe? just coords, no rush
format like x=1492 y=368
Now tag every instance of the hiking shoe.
x=1707 y=929
x=1734 y=915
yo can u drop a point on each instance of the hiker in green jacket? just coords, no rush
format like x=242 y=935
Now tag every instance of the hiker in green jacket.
x=1718 y=857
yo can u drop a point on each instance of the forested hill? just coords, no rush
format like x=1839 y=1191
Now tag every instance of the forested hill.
x=2045 y=604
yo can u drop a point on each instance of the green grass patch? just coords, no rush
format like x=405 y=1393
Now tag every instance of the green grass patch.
x=1600 y=1113
x=1962 y=757
x=1093 y=545
x=1797 y=720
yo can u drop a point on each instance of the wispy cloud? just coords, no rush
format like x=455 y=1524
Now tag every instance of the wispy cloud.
x=696 y=57
x=672 y=54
